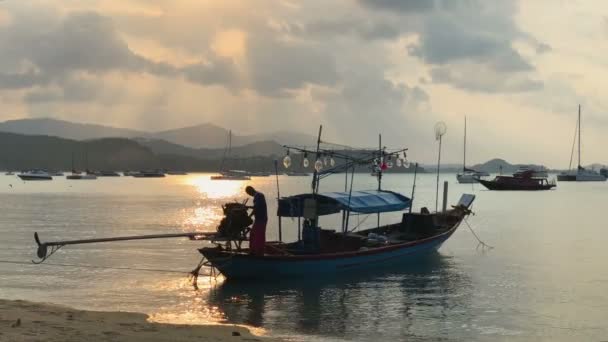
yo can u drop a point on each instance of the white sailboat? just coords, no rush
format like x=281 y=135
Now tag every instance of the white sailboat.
x=468 y=176
x=77 y=175
x=230 y=174
x=580 y=174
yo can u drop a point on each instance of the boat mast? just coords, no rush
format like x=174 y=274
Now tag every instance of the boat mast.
x=315 y=175
x=226 y=149
x=381 y=161
x=464 y=158
x=579 y=136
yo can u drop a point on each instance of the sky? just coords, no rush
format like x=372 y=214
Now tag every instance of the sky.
x=516 y=69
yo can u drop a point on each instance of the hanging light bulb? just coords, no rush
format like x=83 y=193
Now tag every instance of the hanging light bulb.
x=406 y=163
x=318 y=165
x=389 y=164
x=332 y=162
x=287 y=160
x=398 y=162
x=305 y=161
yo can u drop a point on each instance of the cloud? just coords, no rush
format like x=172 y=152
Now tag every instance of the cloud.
x=486 y=80
x=376 y=104
x=277 y=67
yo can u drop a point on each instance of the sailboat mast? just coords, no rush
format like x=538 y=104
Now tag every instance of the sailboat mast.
x=579 y=136
x=464 y=158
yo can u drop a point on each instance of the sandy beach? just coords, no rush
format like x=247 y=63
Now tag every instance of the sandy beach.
x=27 y=321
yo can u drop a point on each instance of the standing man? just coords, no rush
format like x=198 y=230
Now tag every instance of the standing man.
x=257 y=236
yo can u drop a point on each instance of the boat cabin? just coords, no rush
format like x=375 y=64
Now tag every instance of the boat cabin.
x=313 y=239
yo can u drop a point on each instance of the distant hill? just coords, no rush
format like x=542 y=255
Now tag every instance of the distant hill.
x=38 y=151
x=497 y=165
x=260 y=148
x=22 y=152
x=207 y=135
x=65 y=129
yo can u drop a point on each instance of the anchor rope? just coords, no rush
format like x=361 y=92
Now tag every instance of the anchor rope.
x=477 y=237
x=96 y=266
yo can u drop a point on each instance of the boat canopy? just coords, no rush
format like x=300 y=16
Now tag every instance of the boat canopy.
x=364 y=202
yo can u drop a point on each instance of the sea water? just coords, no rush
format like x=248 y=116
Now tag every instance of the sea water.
x=545 y=279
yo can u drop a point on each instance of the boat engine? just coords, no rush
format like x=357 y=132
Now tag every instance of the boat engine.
x=235 y=224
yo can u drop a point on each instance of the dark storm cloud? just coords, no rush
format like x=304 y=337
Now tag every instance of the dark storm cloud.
x=456 y=33
x=443 y=41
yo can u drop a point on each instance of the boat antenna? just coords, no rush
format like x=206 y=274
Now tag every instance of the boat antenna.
x=464 y=158
x=440 y=129
x=276 y=172
x=413 y=187
x=573 y=143
x=315 y=175
x=380 y=162
x=225 y=152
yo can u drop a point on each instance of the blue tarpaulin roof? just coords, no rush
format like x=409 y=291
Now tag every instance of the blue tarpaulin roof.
x=365 y=202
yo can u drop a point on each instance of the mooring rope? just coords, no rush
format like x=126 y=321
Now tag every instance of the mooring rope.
x=477 y=237
x=97 y=267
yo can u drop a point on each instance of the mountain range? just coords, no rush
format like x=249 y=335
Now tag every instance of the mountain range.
x=206 y=135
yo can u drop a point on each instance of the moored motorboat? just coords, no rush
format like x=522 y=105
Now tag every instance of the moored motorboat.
x=521 y=181
x=35 y=175
x=232 y=175
x=177 y=173
x=81 y=176
x=107 y=174
x=149 y=174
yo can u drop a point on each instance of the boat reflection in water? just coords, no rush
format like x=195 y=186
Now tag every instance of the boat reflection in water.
x=403 y=301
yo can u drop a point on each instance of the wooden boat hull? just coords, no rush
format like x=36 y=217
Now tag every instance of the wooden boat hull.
x=246 y=266
x=491 y=185
x=35 y=178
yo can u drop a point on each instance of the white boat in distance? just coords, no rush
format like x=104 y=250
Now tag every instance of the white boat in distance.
x=35 y=175
x=468 y=176
x=81 y=176
x=232 y=175
x=580 y=174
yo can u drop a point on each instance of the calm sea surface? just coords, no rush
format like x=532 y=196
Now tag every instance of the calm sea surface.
x=546 y=278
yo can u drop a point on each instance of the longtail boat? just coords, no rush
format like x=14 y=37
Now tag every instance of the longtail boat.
x=319 y=250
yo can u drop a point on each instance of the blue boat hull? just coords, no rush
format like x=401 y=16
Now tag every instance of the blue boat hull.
x=241 y=265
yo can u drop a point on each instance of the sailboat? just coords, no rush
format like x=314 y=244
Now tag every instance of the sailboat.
x=580 y=174
x=468 y=176
x=230 y=174
x=77 y=175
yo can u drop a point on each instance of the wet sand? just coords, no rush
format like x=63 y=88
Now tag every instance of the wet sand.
x=27 y=321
